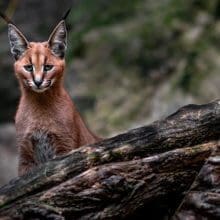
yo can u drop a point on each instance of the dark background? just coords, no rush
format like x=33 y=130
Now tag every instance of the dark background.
x=129 y=62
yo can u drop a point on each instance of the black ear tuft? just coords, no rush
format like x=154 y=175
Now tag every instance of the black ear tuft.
x=66 y=14
x=58 y=40
x=18 y=42
x=6 y=18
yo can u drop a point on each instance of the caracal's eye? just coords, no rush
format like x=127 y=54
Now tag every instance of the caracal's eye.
x=48 y=67
x=29 y=68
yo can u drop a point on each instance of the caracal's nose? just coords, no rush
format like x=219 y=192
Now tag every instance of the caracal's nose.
x=38 y=82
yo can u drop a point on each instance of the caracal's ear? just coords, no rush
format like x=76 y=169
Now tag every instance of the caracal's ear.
x=18 y=42
x=58 y=40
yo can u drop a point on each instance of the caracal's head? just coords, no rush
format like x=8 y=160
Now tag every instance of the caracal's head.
x=38 y=65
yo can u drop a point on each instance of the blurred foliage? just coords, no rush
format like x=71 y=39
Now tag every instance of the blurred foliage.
x=147 y=42
x=155 y=36
x=87 y=16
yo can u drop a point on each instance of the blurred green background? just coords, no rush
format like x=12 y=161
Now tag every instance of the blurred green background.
x=129 y=62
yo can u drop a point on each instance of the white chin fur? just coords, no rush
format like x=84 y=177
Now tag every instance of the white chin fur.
x=39 y=90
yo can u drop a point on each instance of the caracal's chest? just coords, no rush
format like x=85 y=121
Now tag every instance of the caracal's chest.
x=48 y=120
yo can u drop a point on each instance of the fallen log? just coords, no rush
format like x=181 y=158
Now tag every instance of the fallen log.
x=203 y=199
x=145 y=167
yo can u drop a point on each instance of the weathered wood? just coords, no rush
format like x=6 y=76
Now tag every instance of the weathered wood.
x=203 y=199
x=109 y=191
x=94 y=179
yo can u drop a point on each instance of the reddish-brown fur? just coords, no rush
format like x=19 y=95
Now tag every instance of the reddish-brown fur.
x=51 y=111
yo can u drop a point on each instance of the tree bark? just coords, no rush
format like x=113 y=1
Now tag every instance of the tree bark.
x=203 y=199
x=144 y=170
